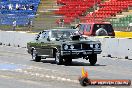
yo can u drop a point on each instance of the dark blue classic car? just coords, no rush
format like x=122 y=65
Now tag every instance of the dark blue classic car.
x=63 y=45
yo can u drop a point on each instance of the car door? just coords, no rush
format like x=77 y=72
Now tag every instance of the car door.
x=44 y=47
x=33 y=44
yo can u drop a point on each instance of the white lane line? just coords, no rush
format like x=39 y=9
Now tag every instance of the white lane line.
x=30 y=67
x=47 y=76
x=52 y=70
x=38 y=74
x=3 y=52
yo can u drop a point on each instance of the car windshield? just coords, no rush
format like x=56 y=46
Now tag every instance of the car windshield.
x=63 y=34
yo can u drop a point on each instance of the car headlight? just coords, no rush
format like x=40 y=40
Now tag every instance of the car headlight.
x=96 y=46
x=91 y=45
x=72 y=47
x=65 y=47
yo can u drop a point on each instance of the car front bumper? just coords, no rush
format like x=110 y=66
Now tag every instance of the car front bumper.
x=80 y=52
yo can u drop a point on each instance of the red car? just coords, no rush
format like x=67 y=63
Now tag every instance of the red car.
x=96 y=29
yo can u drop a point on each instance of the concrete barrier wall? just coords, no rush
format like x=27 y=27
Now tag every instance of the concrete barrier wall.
x=115 y=47
x=16 y=38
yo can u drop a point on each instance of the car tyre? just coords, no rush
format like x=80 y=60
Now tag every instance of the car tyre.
x=68 y=61
x=101 y=32
x=58 y=58
x=92 y=59
x=35 y=57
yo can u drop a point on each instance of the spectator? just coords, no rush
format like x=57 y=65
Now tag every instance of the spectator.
x=10 y=7
x=17 y=6
x=23 y=7
x=61 y=23
x=31 y=7
x=27 y=6
x=3 y=7
x=30 y=23
x=14 y=25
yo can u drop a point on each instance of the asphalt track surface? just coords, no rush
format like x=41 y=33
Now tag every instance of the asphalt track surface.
x=17 y=70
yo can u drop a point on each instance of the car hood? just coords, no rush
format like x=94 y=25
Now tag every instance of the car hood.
x=87 y=41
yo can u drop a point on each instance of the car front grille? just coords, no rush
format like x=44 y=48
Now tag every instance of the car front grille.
x=85 y=46
x=77 y=46
x=81 y=46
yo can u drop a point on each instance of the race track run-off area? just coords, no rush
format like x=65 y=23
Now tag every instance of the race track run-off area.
x=17 y=70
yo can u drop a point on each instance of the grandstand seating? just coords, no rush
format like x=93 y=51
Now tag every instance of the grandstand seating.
x=122 y=22
x=22 y=11
x=108 y=9
x=73 y=9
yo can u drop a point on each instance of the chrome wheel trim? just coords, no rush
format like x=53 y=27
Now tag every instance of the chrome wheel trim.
x=34 y=54
x=57 y=57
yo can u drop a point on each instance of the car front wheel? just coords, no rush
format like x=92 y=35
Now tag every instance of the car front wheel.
x=92 y=59
x=35 y=57
x=58 y=58
x=68 y=61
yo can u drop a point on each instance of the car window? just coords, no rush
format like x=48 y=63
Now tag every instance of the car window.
x=88 y=27
x=43 y=35
x=107 y=27
x=81 y=27
x=62 y=33
x=56 y=34
x=37 y=37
